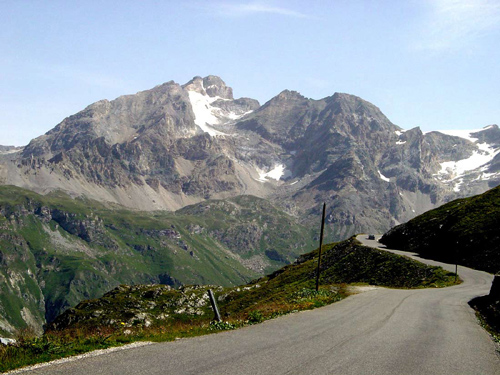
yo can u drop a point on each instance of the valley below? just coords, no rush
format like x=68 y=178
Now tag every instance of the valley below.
x=56 y=251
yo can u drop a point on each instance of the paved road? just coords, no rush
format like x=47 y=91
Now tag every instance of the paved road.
x=381 y=331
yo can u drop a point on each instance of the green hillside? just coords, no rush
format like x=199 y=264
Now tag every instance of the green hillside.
x=464 y=231
x=287 y=289
x=56 y=251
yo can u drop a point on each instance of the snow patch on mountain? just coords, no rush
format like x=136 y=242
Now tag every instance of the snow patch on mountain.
x=235 y=116
x=456 y=169
x=383 y=177
x=279 y=171
x=204 y=115
x=399 y=134
x=453 y=170
x=487 y=176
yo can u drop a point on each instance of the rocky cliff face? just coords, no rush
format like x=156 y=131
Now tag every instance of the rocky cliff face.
x=56 y=251
x=173 y=145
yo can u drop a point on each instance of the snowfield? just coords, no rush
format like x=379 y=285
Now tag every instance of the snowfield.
x=278 y=172
x=455 y=170
x=206 y=115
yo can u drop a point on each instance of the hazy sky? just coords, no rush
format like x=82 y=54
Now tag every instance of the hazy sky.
x=428 y=63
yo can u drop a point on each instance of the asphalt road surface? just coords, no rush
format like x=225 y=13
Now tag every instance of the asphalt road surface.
x=380 y=331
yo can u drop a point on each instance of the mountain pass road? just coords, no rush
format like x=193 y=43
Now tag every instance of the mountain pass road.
x=379 y=331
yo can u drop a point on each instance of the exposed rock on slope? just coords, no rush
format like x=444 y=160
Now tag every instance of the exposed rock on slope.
x=55 y=251
x=175 y=145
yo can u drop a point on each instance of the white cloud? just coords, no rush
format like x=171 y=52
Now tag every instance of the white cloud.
x=233 y=9
x=453 y=24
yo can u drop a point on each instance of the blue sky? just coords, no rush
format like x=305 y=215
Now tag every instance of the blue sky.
x=428 y=63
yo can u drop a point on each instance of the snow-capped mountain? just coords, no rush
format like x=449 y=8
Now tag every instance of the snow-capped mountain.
x=175 y=145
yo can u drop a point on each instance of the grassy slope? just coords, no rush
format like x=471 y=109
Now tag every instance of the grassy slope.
x=48 y=262
x=466 y=230
x=345 y=262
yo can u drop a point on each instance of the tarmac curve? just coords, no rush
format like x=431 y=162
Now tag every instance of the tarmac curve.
x=378 y=332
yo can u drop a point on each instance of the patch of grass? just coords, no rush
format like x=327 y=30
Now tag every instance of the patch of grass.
x=318 y=298
x=30 y=349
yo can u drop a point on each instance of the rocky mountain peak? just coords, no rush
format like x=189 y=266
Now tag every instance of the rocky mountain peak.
x=196 y=85
x=287 y=95
x=163 y=109
x=348 y=103
x=99 y=107
x=489 y=134
x=212 y=86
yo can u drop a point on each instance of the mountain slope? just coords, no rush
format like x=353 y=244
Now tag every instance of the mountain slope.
x=56 y=251
x=176 y=145
x=463 y=231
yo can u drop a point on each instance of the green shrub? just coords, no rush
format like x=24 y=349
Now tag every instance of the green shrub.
x=255 y=316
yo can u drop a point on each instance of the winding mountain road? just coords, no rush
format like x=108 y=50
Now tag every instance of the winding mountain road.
x=380 y=331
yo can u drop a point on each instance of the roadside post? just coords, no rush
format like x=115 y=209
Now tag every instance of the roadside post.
x=214 y=305
x=320 y=246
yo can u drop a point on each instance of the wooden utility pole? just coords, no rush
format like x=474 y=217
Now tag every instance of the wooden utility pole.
x=320 y=246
